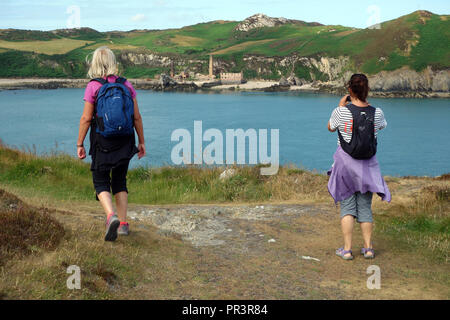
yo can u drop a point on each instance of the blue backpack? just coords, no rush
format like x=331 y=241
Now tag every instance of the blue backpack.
x=114 y=109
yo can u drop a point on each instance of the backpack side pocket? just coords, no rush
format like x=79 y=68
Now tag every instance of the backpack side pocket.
x=100 y=123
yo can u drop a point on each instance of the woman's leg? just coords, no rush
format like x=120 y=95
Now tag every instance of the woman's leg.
x=102 y=185
x=348 y=214
x=106 y=201
x=120 y=191
x=367 y=228
x=347 y=223
x=364 y=203
x=122 y=205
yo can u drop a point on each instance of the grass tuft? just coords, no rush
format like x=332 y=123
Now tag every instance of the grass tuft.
x=422 y=224
x=25 y=229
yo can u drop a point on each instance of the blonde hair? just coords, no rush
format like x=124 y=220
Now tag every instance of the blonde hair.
x=102 y=64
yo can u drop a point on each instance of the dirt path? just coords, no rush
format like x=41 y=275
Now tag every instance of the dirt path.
x=283 y=251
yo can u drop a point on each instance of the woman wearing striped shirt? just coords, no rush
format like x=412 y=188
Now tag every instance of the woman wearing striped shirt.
x=352 y=181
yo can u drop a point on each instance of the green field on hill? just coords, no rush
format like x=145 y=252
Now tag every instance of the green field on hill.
x=417 y=40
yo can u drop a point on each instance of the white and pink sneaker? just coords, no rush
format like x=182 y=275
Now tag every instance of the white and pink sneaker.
x=112 y=224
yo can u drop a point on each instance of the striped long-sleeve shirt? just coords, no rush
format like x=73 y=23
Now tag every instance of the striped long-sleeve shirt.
x=342 y=119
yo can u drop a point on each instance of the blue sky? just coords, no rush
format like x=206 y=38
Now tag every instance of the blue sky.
x=163 y=14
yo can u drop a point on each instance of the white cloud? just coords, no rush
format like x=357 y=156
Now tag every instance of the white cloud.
x=139 y=17
x=159 y=3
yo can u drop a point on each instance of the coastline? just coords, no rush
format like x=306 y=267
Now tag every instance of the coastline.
x=198 y=86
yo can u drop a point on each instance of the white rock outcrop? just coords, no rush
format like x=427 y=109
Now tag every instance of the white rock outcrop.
x=228 y=173
x=260 y=20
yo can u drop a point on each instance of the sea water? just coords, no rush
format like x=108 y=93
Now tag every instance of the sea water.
x=415 y=142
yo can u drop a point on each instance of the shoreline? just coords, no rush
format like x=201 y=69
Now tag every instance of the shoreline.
x=198 y=86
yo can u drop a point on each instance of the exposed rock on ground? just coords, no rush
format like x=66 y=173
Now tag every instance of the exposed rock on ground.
x=228 y=173
x=213 y=225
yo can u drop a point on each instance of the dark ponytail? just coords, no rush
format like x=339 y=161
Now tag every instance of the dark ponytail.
x=359 y=85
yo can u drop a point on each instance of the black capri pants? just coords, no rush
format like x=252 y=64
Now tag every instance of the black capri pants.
x=114 y=179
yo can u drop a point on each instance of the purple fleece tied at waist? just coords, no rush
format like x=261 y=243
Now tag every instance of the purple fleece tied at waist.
x=349 y=175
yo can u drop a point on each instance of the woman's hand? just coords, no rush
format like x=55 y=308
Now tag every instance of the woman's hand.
x=81 y=152
x=141 y=148
x=344 y=101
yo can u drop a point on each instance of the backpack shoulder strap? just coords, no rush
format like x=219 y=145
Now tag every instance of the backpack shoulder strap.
x=341 y=138
x=356 y=111
x=121 y=80
x=372 y=110
x=353 y=110
x=101 y=80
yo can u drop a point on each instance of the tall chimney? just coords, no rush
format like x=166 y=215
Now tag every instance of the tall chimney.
x=210 y=65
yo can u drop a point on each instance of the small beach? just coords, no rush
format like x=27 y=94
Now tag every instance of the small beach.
x=197 y=86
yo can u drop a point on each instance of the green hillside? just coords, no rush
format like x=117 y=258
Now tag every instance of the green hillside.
x=417 y=40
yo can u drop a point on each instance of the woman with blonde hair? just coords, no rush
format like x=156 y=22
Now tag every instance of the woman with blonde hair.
x=111 y=112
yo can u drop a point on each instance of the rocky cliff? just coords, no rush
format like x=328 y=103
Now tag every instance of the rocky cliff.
x=409 y=80
x=325 y=72
x=148 y=59
x=321 y=68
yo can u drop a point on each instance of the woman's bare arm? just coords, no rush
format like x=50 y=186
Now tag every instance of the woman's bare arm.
x=85 y=122
x=139 y=126
x=343 y=102
x=138 y=122
x=329 y=127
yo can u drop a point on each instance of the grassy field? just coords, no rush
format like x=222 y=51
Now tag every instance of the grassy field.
x=111 y=45
x=52 y=221
x=51 y=47
x=241 y=46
